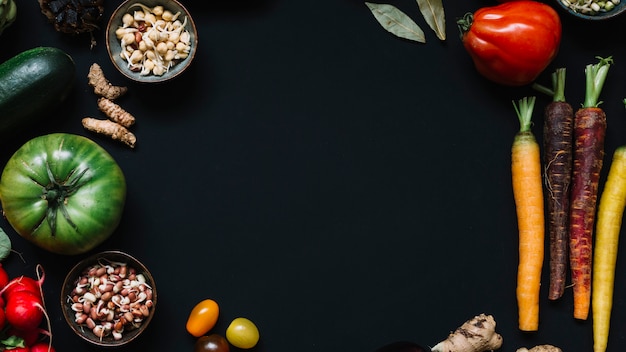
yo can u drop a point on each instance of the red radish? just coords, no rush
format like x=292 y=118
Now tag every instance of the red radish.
x=24 y=310
x=22 y=283
x=25 y=283
x=4 y=277
x=3 y=319
x=20 y=349
x=29 y=336
x=42 y=347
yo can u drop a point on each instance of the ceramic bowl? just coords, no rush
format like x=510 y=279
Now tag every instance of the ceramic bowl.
x=85 y=295
x=575 y=10
x=156 y=43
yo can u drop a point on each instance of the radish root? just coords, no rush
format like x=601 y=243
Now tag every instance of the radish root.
x=475 y=335
x=540 y=348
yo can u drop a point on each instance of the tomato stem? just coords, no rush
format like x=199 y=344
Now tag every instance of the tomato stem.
x=56 y=192
x=465 y=22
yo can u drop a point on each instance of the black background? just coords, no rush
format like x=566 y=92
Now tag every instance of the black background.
x=339 y=186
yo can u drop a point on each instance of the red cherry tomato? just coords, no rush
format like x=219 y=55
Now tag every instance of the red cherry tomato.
x=203 y=317
x=513 y=42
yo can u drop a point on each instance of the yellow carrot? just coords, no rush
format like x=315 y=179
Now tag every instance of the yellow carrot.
x=609 y=223
x=528 y=195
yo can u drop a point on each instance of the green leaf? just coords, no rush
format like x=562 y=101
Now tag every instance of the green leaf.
x=5 y=245
x=397 y=22
x=433 y=13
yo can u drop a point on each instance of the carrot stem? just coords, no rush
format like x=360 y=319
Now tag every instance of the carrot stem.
x=595 y=75
x=528 y=196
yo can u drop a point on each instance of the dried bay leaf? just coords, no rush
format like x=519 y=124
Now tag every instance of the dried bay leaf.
x=433 y=13
x=397 y=22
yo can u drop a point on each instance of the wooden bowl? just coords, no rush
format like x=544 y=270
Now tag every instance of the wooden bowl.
x=83 y=275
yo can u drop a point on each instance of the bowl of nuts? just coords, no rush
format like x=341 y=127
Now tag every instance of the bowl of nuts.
x=151 y=40
x=593 y=9
x=109 y=298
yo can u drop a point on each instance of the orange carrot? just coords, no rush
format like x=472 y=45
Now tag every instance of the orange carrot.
x=589 y=133
x=610 y=213
x=528 y=195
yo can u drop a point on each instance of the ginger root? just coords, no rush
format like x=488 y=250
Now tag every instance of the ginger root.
x=540 y=348
x=475 y=335
x=102 y=86
x=111 y=129
x=115 y=112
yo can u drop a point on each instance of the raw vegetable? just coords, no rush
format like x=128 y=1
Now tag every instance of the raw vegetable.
x=24 y=310
x=8 y=14
x=202 y=317
x=111 y=129
x=557 y=162
x=211 y=343
x=242 y=333
x=513 y=42
x=101 y=85
x=540 y=348
x=41 y=347
x=475 y=335
x=402 y=346
x=589 y=134
x=528 y=195
x=609 y=216
x=32 y=84
x=115 y=112
x=63 y=192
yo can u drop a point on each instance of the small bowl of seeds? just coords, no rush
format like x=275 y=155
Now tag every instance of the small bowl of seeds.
x=593 y=9
x=109 y=298
x=151 y=40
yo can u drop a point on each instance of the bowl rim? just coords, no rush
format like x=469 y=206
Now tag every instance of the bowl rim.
x=619 y=9
x=71 y=276
x=120 y=64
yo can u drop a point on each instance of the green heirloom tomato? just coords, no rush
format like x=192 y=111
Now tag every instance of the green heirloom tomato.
x=63 y=192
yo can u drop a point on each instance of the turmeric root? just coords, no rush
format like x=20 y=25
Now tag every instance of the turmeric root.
x=101 y=85
x=540 y=348
x=115 y=112
x=111 y=129
x=475 y=335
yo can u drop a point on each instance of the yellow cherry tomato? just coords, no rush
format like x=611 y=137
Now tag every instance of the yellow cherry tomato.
x=203 y=317
x=242 y=333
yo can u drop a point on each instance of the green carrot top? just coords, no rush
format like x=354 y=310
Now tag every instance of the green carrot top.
x=595 y=75
x=524 y=110
x=557 y=92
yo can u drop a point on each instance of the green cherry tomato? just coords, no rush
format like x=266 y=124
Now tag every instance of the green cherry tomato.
x=63 y=192
x=242 y=333
x=211 y=343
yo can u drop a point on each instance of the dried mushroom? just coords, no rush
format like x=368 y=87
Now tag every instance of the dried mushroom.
x=73 y=16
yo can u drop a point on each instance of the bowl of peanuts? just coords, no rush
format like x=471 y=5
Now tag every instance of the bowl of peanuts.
x=593 y=9
x=108 y=298
x=151 y=40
